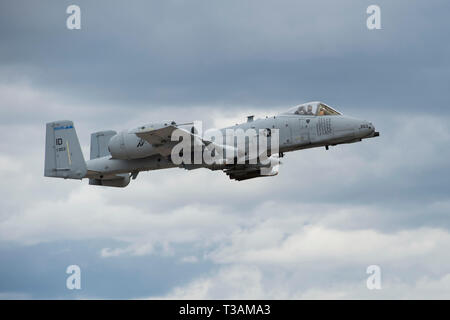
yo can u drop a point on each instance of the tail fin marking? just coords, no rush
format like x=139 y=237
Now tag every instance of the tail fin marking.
x=63 y=155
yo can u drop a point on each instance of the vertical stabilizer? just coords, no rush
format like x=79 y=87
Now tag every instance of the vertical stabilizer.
x=63 y=155
x=99 y=143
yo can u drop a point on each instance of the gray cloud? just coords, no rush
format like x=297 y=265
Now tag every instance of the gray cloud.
x=310 y=232
x=253 y=52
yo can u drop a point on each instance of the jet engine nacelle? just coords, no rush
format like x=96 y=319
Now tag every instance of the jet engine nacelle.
x=127 y=146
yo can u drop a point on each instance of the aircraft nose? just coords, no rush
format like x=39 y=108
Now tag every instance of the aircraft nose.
x=373 y=131
x=367 y=130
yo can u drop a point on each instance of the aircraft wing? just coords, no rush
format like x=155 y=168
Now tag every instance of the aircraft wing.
x=159 y=135
x=156 y=134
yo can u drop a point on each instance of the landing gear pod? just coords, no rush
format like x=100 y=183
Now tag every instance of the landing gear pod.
x=121 y=181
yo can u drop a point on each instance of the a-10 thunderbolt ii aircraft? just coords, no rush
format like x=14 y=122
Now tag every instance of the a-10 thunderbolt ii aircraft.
x=118 y=157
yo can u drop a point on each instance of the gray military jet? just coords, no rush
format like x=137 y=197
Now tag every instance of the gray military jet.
x=116 y=158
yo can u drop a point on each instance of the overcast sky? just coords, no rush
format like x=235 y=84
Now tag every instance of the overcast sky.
x=309 y=232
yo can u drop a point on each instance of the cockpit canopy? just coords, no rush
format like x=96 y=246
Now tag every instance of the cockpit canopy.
x=313 y=109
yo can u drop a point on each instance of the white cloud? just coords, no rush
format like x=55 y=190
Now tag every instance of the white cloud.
x=246 y=282
x=84 y=214
x=318 y=245
x=233 y=282
x=283 y=237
